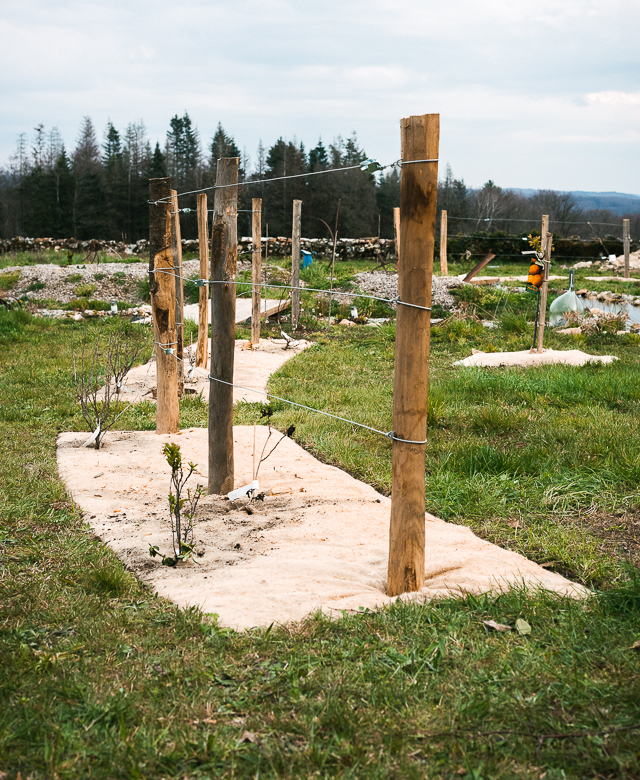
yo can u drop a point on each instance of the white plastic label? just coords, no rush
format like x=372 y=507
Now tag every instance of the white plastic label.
x=242 y=491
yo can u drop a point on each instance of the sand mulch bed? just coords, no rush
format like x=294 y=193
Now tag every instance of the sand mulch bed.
x=319 y=540
x=527 y=358
x=252 y=368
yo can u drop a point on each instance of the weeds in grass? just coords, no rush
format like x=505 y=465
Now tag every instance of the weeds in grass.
x=9 y=280
x=85 y=290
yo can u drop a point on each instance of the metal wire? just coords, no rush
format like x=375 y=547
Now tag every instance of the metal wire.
x=396 y=300
x=389 y=434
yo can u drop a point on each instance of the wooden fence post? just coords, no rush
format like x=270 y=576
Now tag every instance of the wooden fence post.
x=396 y=231
x=546 y=239
x=224 y=266
x=626 y=242
x=176 y=252
x=444 y=268
x=163 y=304
x=202 y=354
x=256 y=267
x=295 y=264
x=418 y=195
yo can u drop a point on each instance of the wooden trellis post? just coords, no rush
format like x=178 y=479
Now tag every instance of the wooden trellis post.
x=396 y=230
x=546 y=240
x=626 y=242
x=418 y=195
x=176 y=251
x=444 y=268
x=163 y=304
x=224 y=266
x=256 y=267
x=202 y=354
x=295 y=264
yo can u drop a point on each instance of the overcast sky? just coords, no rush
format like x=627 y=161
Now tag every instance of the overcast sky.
x=539 y=94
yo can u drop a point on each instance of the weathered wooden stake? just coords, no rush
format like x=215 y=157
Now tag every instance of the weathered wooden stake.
x=176 y=252
x=163 y=305
x=444 y=268
x=396 y=230
x=626 y=242
x=545 y=246
x=295 y=264
x=418 y=195
x=224 y=265
x=256 y=267
x=202 y=354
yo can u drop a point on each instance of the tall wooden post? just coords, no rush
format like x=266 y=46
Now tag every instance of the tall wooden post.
x=256 y=267
x=202 y=354
x=295 y=264
x=626 y=242
x=224 y=266
x=163 y=305
x=396 y=230
x=176 y=252
x=444 y=268
x=546 y=239
x=418 y=195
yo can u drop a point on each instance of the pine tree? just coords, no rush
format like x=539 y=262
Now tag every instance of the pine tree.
x=88 y=217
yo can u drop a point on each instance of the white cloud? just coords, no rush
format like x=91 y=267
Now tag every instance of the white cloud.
x=526 y=93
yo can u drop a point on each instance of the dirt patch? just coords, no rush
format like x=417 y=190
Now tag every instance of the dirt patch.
x=619 y=532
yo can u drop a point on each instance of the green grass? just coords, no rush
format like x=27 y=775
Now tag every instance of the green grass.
x=100 y=679
x=9 y=281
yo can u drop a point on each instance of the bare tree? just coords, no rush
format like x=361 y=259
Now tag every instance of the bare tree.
x=103 y=368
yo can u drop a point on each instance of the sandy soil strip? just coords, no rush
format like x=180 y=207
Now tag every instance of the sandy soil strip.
x=526 y=358
x=252 y=368
x=319 y=541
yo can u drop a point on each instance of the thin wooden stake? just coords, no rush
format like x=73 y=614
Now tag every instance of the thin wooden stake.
x=418 y=195
x=163 y=305
x=626 y=241
x=256 y=268
x=224 y=266
x=396 y=230
x=295 y=264
x=444 y=268
x=202 y=354
x=176 y=252
x=545 y=246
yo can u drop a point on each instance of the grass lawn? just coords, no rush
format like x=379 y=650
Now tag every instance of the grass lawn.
x=101 y=679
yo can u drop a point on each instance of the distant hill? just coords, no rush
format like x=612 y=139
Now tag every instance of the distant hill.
x=617 y=202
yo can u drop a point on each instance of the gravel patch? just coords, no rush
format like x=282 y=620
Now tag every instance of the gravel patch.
x=385 y=285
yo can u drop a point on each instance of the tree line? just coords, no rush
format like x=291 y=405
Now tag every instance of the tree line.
x=100 y=190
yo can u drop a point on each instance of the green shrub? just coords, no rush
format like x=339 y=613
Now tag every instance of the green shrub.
x=8 y=281
x=73 y=278
x=35 y=286
x=85 y=290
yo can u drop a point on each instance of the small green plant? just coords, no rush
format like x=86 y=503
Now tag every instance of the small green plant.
x=35 y=286
x=85 y=290
x=99 y=277
x=8 y=281
x=181 y=522
x=72 y=278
